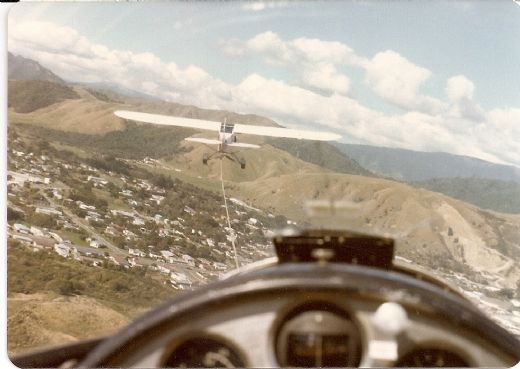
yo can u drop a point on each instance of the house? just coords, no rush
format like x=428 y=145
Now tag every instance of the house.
x=133 y=262
x=219 y=266
x=189 y=210
x=36 y=231
x=97 y=180
x=154 y=256
x=179 y=278
x=163 y=269
x=84 y=206
x=137 y=252
x=119 y=260
x=62 y=249
x=188 y=259
x=24 y=239
x=128 y=234
x=122 y=213
x=48 y=211
x=20 y=228
x=87 y=251
x=157 y=199
x=138 y=221
x=56 y=236
x=126 y=193
x=96 y=243
x=93 y=214
x=166 y=254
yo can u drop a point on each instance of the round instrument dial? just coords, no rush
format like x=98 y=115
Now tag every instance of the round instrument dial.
x=318 y=335
x=432 y=357
x=204 y=352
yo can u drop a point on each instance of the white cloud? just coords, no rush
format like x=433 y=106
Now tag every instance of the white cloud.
x=315 y=50
x=398 y=80
x=272 y=48
x=257 y=6
x=313 y=59
x=459 y=87
x=324 y=76
x=319 y=101
x=75 y=58
x=459 y=90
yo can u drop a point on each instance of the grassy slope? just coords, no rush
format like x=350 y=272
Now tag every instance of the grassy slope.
x=28 y=96
x=94 y=300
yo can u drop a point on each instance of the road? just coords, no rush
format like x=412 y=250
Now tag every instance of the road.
x=87 y=227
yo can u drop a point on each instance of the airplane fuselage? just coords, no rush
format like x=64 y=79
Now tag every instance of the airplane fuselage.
x=226 y=135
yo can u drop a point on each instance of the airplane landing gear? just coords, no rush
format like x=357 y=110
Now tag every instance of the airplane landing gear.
x=229 y=155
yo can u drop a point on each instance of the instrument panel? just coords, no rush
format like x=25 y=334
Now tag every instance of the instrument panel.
x=314 y=329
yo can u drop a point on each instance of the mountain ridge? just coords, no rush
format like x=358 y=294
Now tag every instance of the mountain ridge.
x=412 y=166
x=24 y=69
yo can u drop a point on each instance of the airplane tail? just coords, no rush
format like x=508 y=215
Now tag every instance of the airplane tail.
x=203 y=140
x=243 y=145
x=217 y=142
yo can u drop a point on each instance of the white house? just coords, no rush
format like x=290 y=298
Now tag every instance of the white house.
x=84 y=206
x=137 y=252
x=96 y=243
x=126 y=193
x=188 y=259
x=48 y=211
x=56 y=236
x=23 y=239
x=138 y=221
x=36 y=231
x=20 y=228
x=122 y=213
x=179 y=278
x=62 y=249
x=163 y=269
x=166 y=254
x=97 y=180
x=57 y=194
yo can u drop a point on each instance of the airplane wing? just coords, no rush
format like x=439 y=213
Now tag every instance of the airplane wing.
x=215 y=126
x=286 y=132
x=169 y=120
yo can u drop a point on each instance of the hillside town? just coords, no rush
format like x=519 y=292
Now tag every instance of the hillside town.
x=114 y=212
x=97 y=216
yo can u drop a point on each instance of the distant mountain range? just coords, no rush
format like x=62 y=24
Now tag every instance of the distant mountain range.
x=413 y=166
x=503 y=196
x=120 y=90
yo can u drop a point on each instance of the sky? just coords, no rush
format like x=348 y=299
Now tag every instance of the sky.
x=421 y=75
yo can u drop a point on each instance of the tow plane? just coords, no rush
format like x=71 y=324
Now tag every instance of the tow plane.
x=227 y=133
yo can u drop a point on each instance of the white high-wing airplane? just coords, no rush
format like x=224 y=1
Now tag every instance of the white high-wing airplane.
x=227 y=132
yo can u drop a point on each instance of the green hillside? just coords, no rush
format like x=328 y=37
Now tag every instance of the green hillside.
x=125 y=291
x=320 y=153
x=28 y=96
x=135 y=141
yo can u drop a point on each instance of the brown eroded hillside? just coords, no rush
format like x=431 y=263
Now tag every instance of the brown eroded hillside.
x=48 y=319
x=429 y=227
